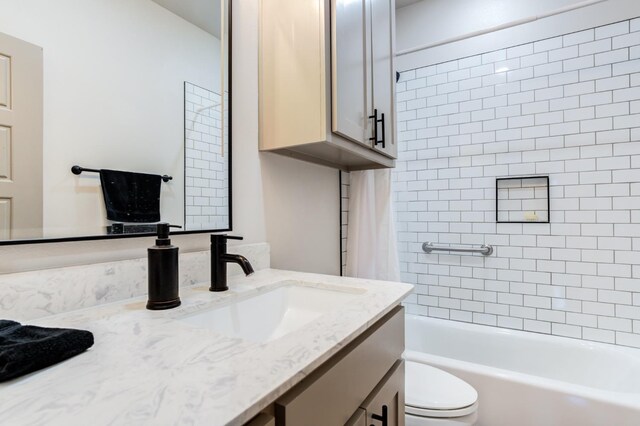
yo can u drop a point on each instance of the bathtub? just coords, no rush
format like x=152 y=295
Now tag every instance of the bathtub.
x=529 y=379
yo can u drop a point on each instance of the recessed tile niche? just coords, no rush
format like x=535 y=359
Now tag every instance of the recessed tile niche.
x=522 y=199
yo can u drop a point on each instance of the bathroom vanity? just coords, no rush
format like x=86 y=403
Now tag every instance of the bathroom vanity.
x=278 y=348
x=365 y=378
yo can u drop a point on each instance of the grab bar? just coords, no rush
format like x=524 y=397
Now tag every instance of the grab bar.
x=77 y=170
x=485 y=250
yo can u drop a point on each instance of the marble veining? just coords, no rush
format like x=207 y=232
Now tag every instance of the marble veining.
x=146 y=368
x=31 y=295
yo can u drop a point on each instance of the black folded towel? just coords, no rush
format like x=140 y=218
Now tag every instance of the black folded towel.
x=26 y=348
x=131 y=197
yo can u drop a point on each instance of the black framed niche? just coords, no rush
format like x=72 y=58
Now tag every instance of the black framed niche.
x=523 y=199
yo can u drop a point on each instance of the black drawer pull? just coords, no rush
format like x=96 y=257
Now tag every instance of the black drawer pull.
x=375 y=140
x=384 y=418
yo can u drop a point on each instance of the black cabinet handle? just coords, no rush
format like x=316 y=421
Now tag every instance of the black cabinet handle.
x=375 y=126
x=383 y=133
x=375 y=140
x=384 y=418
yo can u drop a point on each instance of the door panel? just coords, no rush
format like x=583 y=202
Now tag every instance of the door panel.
x=5 y=219
x=21 y=102
x=5 y=81
x=351 y=90
x=5 y=153
x=383 y=39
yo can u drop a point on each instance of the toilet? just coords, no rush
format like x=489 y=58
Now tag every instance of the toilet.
x=436 y=398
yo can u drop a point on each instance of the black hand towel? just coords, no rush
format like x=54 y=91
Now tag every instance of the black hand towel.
x=26 y=348
x=131 y=197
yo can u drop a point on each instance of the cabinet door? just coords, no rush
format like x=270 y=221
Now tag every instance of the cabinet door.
x=383 y=73
x=385 y=405
x=350 y=69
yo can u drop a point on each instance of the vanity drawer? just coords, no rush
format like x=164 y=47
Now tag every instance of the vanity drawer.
x=332 y=393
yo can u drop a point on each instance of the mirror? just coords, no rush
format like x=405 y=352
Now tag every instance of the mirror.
x=114 y=115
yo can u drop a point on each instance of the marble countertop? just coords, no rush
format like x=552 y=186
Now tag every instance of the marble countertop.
x=146 y=368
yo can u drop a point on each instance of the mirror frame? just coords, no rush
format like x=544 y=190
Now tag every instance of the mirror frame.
x=229 y=155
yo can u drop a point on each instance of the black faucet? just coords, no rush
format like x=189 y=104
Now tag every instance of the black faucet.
x=219 y=260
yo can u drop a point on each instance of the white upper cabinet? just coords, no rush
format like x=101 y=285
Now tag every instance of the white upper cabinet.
x=326 y=68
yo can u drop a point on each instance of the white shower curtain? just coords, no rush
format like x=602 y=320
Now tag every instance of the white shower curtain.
x=371 y=238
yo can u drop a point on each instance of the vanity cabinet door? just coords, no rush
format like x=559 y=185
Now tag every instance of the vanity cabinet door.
x=385 y=405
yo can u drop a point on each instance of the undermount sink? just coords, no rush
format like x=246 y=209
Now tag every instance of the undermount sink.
x=271 y=314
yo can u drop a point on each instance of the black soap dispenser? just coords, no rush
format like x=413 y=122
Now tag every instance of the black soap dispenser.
x=164 y=281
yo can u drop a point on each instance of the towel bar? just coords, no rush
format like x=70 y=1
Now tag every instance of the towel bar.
x=76 y=170
x=485 y=250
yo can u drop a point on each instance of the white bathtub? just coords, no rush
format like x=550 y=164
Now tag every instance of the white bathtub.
x=528 y=379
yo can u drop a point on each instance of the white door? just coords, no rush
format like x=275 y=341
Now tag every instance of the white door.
x=20 y=139
x=351 y=69
x=384 y=81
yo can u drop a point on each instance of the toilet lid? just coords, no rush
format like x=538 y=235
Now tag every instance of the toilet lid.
x=433 y=389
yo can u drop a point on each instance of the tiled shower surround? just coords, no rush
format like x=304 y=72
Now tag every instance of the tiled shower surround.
x=567 y=107
x=206 y=161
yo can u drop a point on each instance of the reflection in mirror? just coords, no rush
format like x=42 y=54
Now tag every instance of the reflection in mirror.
x=127 y=91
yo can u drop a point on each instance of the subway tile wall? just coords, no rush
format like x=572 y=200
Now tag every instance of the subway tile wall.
x=345 y=182
x=567 y=107
x=206 y=161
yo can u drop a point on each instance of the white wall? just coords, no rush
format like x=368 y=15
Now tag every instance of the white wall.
x=113 y=98
x=249 y=212
x=431 y=21
x=302 y=205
